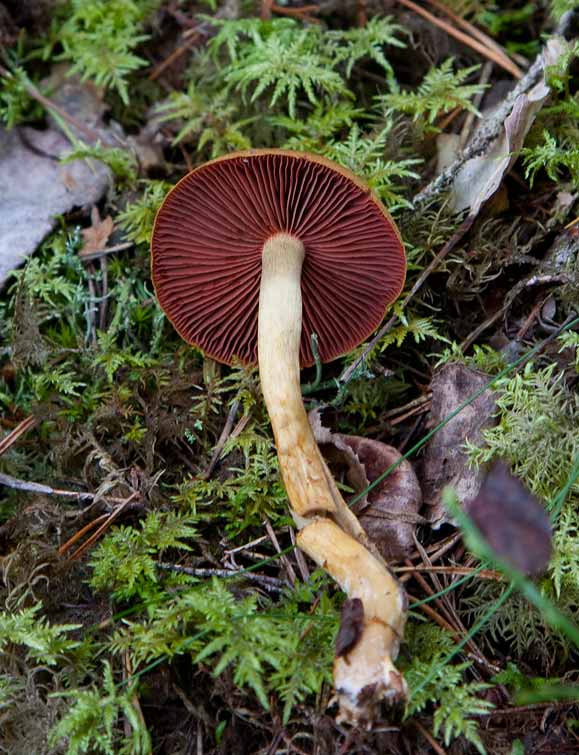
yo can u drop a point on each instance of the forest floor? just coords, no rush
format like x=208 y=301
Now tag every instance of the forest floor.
x=154 y=600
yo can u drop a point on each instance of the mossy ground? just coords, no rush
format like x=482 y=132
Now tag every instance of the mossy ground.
x=139 y=643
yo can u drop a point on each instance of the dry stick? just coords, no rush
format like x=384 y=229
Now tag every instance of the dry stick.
x=443 y=609
x=225 y=433
x=405 y=407
x=175 y=55
x=463 y=228
x=455 y=570
x=440 y=620
x=104 y=293
x=411 y=413
x=301 y=561
x=477 y=99
x=445 y=599
x=21 y=428
x=110 y=519
x=99 y=253
x=429 y=738
x=283 y=558
x=474 y=44
x=36 y=487
x=474 y=31
x=518 y=289
x=190 y=36
x=77 y=536
x=530 y=319
x=269 y=583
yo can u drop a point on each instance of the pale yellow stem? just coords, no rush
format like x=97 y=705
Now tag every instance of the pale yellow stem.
x=310 y=486
x=330 y=532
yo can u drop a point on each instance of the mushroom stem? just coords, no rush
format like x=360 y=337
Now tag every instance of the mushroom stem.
x=310 y=486
x=330 y=532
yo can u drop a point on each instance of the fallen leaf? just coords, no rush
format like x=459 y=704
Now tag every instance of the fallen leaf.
x=445 y=461
x=389 y=512
x=97 y=236
x=512 y=520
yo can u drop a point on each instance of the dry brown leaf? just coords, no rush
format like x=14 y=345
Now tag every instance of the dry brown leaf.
x=445 y=461
x=512 y=521
x=389 y=512
x=97 y=236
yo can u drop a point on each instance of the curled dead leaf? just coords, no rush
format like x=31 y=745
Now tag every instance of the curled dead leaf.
x=388 y=512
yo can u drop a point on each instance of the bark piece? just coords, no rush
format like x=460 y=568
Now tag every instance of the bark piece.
x=445 y=460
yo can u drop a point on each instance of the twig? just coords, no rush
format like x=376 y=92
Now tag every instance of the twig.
x=104 y=526
x=530 y=319
x=445 y=601
x=477 y=99
x=429 y=738
x=225 y=433
x=283 y=558
x=104 y=293
x=78 y=535
x=351 y=370
x=489 y=42
x=422 y=409
x=175 y=55
x=406 y=407
x=458 y=570
x=98 y=253
x=20 y=429
x=301 y=561
x=36 y=487
x=500 y=59
x=269 y=583
x=442 y=622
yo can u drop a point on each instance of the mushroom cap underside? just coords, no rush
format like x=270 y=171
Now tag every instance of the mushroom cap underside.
x=207 y=248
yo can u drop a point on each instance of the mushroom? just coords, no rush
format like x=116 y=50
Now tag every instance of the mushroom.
x=252 y=253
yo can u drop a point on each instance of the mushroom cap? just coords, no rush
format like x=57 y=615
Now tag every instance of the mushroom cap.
x=207 y=248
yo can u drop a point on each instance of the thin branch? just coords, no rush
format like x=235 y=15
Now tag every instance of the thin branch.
x=20 y=429
x=500 y=59
x=272 y=584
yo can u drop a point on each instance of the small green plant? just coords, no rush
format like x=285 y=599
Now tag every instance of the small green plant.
x=121 y=161
x=100 y=39
x=16 y=104
x=555 y=158
x=456 y=702
x=138 y=217
x=92 y=723
x=136 y=549
x=284 y=649
x=43 y=643
x=441 y=91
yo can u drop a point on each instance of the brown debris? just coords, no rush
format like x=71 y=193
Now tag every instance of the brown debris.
x=445 y=459
x=512 y=521
x=389 y=512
